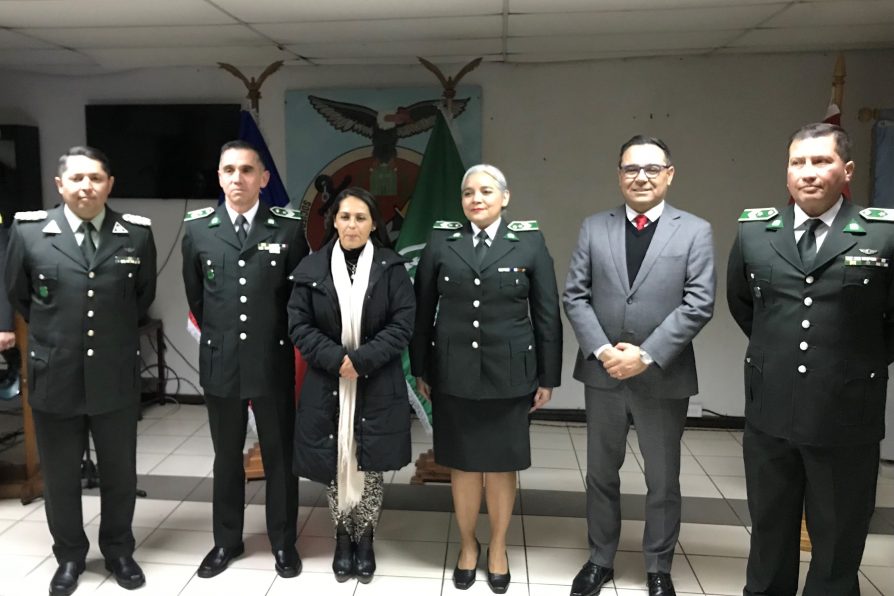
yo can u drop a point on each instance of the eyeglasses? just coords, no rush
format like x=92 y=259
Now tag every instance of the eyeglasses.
x=651 y=170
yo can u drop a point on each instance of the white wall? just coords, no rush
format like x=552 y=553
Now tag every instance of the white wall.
x=554 y=130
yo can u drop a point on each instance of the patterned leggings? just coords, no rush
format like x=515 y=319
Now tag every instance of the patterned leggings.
x=366 y=513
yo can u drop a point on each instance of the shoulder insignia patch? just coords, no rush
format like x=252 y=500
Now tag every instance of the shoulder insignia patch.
x=853 y=228
x=51 y=228
x=446 y=225
x=871 y=214
x=524 y=226
x=31 y=215
x=198 y=213
x=287 y=213
x=136 y=219
x=761 y=214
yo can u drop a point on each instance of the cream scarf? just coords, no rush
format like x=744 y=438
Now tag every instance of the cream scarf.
x=350 y=301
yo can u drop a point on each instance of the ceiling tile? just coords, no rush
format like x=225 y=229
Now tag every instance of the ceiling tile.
x=452 y=47
x=523 y=6
x=31 y=56
x=621 y=42
x=580 y=56
x=835 y=13
x=278 y=11
x=147 y=37
x=13 y=40
x=687 y=19
x=444 y=62
x=108 y=13
x=384 y=30
x=853 y=36
x=161 y=57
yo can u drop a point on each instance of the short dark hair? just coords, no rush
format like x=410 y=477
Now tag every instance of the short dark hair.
x=240 y=144
x=88 y=152
x=824 y=129
x=379 y=236
x=645 y=140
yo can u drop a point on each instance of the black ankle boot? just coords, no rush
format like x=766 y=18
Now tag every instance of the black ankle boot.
x=364 y=557
x=343 y=561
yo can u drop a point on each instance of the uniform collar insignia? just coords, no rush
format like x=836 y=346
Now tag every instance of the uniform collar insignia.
x=119 y=229
x=455 y=236
x=511 y=236
x=51 y=228
x=776 y=224
x=215 y=221
x=853 y=228
x=271 y=223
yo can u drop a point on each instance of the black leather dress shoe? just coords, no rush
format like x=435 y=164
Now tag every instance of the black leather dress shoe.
x=660 y=584
x=287 y=562
x=464 y=578
x=127 y=572
x=498 y=582
x=65 y=580
x=590 y=579
x=217 y=560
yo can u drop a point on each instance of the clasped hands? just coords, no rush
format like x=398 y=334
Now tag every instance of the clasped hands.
x=622 y=361
x=347 y=370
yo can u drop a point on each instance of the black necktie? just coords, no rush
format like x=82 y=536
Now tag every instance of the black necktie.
x=807 y=243
x=88 y=247
x=241 y=224
x=481 y=248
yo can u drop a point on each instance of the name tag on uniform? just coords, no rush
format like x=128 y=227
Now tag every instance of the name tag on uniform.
x=858 y=261
x=127 y=260
x=273 y=248
x=511 y=269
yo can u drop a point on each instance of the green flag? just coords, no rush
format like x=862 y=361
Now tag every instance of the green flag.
x=436 y=196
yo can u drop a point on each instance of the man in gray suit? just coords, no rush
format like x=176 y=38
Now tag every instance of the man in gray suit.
x=639 y=289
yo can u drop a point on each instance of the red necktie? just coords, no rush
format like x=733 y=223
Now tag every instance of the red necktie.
x=640 y=222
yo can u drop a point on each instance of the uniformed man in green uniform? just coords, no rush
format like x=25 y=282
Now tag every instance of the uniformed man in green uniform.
x=236 y=265
x=83 y=276
x=811 y=287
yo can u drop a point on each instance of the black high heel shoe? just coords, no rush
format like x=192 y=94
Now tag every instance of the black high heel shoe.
x=498 y=582
x=464 y=578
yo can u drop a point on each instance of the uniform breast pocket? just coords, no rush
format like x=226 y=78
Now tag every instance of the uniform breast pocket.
x=760 y=279
x=866 y=288
x=45 y=284
x=449 y=282
x=514 y=282
x=212 y=270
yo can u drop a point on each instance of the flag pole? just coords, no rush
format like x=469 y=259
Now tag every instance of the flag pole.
x=838 y=77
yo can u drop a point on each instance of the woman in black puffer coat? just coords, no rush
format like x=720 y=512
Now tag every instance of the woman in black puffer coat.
x=351 y=315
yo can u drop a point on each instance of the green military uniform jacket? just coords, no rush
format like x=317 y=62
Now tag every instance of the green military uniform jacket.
x=820 y=338
x=83 y=338
x=238 y=296
x=489 y=331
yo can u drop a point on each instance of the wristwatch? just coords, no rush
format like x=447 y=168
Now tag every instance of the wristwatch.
x=644 y=357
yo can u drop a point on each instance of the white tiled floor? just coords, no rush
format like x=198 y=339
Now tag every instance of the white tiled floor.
x=416 y=550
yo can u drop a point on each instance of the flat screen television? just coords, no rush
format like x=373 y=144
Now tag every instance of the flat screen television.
x=163 y=151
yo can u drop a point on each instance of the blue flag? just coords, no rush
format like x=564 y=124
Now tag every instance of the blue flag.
x=275 y=193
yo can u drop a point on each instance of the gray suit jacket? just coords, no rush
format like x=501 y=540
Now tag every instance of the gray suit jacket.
x=664 y=308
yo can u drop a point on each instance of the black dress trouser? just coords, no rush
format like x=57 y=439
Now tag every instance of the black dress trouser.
x=275 y=418
x=834 y=486
x=61 y=442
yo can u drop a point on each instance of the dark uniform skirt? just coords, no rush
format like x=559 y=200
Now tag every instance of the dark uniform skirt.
x=481 y=435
